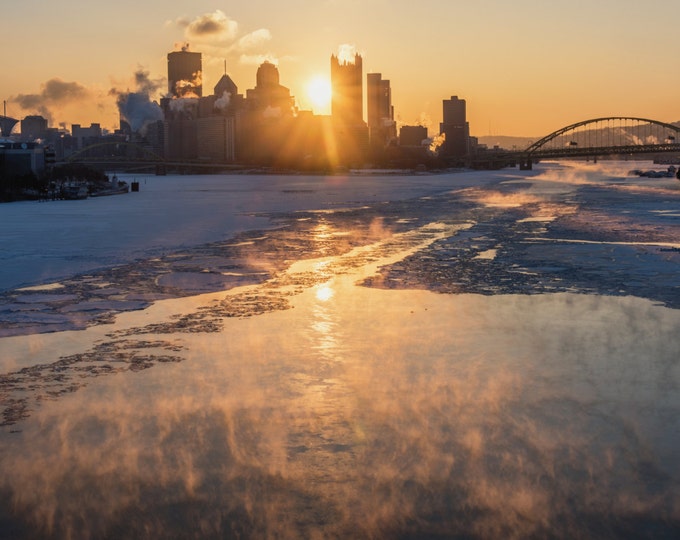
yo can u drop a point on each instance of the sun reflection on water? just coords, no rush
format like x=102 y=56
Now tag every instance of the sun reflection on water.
x=324 y=293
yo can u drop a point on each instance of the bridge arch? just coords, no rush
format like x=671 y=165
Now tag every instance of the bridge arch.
x=142 y=153
x=629 y=129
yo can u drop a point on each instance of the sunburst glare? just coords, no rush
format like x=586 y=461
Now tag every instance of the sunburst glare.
x=319 y=94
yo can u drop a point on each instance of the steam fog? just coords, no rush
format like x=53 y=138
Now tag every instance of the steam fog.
x=362 y=384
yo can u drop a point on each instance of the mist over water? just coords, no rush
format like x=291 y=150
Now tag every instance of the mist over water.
x=339 y=398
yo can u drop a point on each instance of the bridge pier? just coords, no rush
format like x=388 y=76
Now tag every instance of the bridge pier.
x=525 y=164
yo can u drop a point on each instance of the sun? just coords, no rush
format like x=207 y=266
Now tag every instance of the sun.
x=319 y=93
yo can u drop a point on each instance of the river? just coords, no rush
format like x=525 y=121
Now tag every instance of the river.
x=487 y=357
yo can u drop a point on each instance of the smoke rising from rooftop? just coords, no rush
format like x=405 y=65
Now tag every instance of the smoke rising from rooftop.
x=222 y=102
x=137 y=108
x=346 y=53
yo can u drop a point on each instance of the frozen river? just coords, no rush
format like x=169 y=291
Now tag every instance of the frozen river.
x=468 y=355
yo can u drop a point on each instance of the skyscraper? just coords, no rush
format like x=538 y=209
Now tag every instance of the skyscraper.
x=350 y=133
x=185 y=73
x=347 y=91
x=455 y=128
x=381 y=125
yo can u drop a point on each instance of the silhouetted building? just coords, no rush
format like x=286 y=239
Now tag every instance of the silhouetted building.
x=382 y=128
x=412 y=135
x=86 y=136
x=181 y=128
x=154 y=137
x=203 y=129
x=21 y=158
x=216 y=142
x=347 y=90
x=349 y=129
x=266 y=121
x=227 y=100
x=269 y=96
x=185 y=73
x=33 y=127
x=60 y=142
x=455 y=128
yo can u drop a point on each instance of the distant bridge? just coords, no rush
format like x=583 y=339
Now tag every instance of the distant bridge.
x=115 y=151
x=612 y=135
x=130 y=156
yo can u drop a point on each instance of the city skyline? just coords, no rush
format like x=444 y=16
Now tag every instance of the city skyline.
x=524 y=69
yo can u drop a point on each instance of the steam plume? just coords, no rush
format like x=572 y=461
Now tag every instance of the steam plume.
x=436 y=143
x=223 y=101
x=137 y=108
x=54 y=93
x=346 y=53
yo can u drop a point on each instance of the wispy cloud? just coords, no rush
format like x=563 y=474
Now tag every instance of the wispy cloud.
x=218 y=36
x=254 y=39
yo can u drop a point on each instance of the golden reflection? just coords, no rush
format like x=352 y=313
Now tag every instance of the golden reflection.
x=368 y=413
x=324 y=323
x=375 y=431
x=322 y=232
x=324 y=293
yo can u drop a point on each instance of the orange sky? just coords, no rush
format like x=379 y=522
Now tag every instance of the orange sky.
x=525 y=68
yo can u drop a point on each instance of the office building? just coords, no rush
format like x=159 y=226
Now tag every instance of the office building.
x=455 y=128
x=185 y=74
x=347 y=90
x=382 y=128
x=33 y=127
x=21 y=159
x=412 y=136
x=350 y=132
x=86 y=136
x=215 y=139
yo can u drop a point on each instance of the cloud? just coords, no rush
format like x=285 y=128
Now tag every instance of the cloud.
x=209 y=26
x=28 y=101
x=53 y=94
x=57 y=90
x=254 y=39
x=217 y=35
x=257 y=59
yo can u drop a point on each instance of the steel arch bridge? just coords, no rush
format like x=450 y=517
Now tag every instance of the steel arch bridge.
x=108 y=152
x=604 y=136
